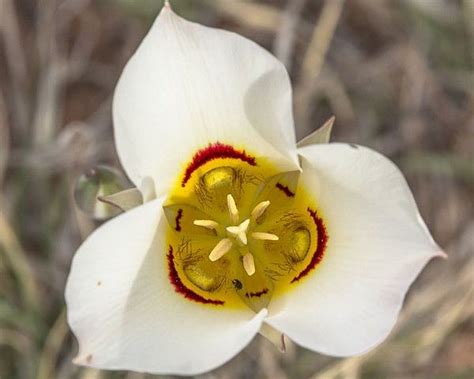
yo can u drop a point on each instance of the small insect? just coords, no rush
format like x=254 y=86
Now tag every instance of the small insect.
x=237 y=284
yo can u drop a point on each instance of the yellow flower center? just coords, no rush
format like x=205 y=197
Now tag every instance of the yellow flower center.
x=239 y=231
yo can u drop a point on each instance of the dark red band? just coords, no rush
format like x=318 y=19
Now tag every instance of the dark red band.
x=215 y=151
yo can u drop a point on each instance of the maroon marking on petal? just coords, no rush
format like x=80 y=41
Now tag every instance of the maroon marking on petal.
x=285 y=190
x=256 y=294
x=322 y=243
x=215 y=151
x=178 y=218
x=181 y=288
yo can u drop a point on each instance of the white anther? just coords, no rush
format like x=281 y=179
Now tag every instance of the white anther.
x=265 y=236
x=249 y=264
x=260 y=209
x=208 y=224
x=240 y=232
x=222 y=247
x=233 y=211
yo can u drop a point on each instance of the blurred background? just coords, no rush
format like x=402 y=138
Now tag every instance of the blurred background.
x=398 y=76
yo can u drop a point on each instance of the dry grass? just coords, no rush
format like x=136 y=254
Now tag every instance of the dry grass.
x=398 y=76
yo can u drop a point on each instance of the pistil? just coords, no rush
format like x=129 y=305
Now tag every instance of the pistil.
x=240 y=232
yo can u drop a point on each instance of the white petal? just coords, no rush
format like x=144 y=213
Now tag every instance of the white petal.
x=320 y=135
x=147 y=188
x=127 y=315
x=188 y=86
x=377 y=245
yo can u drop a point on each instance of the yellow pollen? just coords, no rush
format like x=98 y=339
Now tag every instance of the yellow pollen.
x=222 y=247
x=265 y=236
x=233 y=211
x=208 y=224
x=249 y=264
x=259 y=209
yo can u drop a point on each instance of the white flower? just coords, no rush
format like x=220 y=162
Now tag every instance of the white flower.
x=240 y=228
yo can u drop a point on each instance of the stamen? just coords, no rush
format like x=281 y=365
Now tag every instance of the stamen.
x=222 y=247
x=208 y=224
x=233 y=211
x=249 y=264
x=238 y=233
x=260 y=209
x=265 y=236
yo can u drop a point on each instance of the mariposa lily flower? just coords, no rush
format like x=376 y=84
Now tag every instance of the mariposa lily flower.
x=241 y=230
